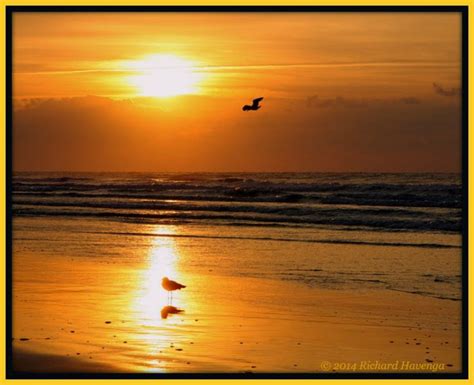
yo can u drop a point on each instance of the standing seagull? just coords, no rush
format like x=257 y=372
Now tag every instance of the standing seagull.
x=171 y=286
x=254 y=107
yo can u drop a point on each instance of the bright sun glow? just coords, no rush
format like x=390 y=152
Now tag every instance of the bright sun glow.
x=163 y=76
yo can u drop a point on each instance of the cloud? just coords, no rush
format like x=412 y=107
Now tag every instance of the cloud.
x=341 y=101
x=200 y=133
x=446 y=92
x=409 y=100
x=33 y=70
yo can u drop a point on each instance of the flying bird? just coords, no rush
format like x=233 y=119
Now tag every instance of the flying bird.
x=254 y=107
x=171 y=286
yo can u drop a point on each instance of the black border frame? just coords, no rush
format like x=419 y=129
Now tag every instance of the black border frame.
x=10 y=10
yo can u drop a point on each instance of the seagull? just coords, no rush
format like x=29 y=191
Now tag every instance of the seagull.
x=171 y=286
x=254 y=106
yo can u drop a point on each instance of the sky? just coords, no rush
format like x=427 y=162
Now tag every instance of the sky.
x=164 y=92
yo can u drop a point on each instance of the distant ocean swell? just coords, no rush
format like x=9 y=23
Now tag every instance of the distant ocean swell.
x=393 y=202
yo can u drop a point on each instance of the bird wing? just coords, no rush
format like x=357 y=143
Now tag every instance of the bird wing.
x=177 y=285
x=256 y=101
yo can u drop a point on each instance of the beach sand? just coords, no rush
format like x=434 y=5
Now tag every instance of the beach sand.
x=75 y=315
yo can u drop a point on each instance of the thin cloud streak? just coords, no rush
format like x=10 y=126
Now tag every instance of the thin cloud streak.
x=445 y=91
x=255 y=66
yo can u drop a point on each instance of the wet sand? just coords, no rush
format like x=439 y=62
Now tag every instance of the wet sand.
x=25 y=361
x=83 y=316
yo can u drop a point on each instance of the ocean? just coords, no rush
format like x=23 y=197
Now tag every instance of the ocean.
x=403 y=231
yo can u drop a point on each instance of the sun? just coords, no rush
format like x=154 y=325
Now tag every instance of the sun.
x=164 y=76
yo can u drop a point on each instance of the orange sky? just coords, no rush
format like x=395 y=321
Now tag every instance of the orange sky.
x=163 y=92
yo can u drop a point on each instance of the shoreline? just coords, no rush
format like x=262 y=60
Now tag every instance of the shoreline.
x=354 y=334
x=248 y=306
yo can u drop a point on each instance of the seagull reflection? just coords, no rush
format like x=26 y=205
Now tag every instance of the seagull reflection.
x=169 y=310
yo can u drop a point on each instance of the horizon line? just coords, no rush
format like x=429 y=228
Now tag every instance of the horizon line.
x=240 y=172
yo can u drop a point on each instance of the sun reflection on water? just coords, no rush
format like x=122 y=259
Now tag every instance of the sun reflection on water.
x=162 y=260
x=153 y=333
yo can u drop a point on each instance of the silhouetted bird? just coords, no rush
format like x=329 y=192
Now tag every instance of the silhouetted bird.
x=254 y=107
x=171 y=286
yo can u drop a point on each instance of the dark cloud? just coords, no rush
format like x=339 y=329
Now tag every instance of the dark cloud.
x=445 y=91
x=410 y=100
x=340 y=101
x=199 y=133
